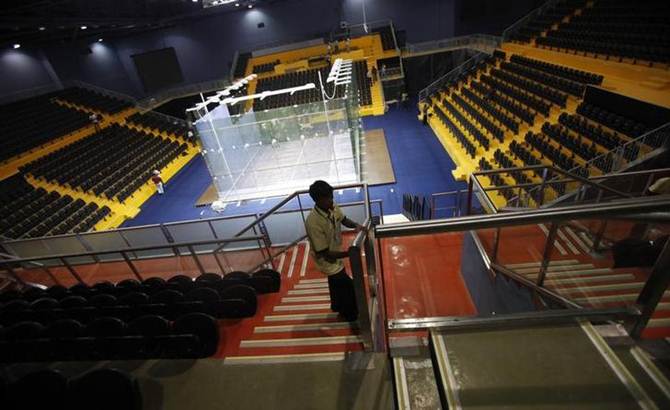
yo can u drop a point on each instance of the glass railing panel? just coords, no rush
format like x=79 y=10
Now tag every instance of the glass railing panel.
x=99 y=241
x=148 y=236
x=193 y=231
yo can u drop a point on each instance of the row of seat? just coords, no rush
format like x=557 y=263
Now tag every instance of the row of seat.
x=562 y=84
x=159 y=123
x=265 y=68
x=505 y=119
x=569 y=73
x=240 y=68
x=612 y=120
x=545 y=19
x=468 y=126
x=93 y=99
x=555 y=155
x=532 y=87
x=193 y=335
x=455 y=131
x=27 y=124
x=107 y=162
x=595 y=133
x=35 y=212
x=496 y=179
x=497 y=132
x=638 y=31
x=511 y=105
x=523 y=97
x=47 y=388
x=386 y=34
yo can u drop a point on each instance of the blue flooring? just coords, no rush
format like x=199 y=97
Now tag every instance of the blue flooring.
x=420 y=163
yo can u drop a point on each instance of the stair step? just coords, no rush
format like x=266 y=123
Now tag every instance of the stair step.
x=590 y=279
x=659 y=322
x=312 y=306
x=564 y=268
x=306 y=341
x=624 y=297
x=603 y=288
x=320 y=280
x=304 y=327
x=311 y=285
x=551 y=263
x=289 y=299
x=301 y=316
x=285 y=358
x=594 y=271
x=315 y=291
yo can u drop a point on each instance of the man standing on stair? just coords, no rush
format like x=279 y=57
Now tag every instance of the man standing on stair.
x=323 y=225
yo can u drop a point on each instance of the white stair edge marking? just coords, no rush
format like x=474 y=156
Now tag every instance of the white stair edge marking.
x=303 y=327
x=652 y=371
x=294 y=255
x=568 y=242
x=314 y=291
x=602 y=288
x=402 y=390
x=577 y=239
x=590 y=279
x=586 y=239
x=557 y=244
x=288 y=308
x=551 y=263
x=659 y=322
x=282 y=259
x=305 y=341
x=287 y=299
x=625 y=297
x=578 y=266
x=579 y=273
x=305 y=258
x=284 y=358
x=320 y=280
x=300 y=316
x=311 y=285
x=663 y=306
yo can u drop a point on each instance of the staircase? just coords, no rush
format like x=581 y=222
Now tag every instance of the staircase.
x=295 y=322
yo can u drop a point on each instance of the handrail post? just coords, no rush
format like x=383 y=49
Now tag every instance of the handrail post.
x=496 y=241
x=653 y=291
x=196 y=259
x=14 y=275
x=470 y=182
x=358 y=277
x=131 y=265
x=599 y=236
x=546 y=255
x=71 y=269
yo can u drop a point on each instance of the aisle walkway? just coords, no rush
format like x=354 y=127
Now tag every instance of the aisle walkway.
x=420 y=164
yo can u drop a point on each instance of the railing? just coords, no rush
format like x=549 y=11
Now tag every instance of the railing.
x=451 y=75
x=517 y=231
x=159 y=98
x=626 y=155
x=453 y=204
x=523 y=20
x=100 y=90
x=171 y=119
x=484 y=43
x=131 y=256
x=29 y=93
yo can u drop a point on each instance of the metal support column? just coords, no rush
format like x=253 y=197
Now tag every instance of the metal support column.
x=131 y=266
x=71 y=269
x=653 y=291
x=196 y=259
x=546 y=255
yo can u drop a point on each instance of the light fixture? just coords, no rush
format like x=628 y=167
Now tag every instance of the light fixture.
x=83 y=27
x=195 y=1
x=237 y=4
x=17 y=45
x=100 y=40
x=42 y=28
x=251 y=6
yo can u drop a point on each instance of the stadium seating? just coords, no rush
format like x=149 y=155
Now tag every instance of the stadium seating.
x=386 y=33
x=265 y=68
x=241 y=65
x=29 y=123
x=158 y=123
x=618 y=29
x=93 y=99
x=112 y=163
x=28 y=212
x=460 y=137
x=546 y=19
x=131 y=319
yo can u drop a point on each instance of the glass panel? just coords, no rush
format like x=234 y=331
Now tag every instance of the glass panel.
x=191 y=232
x=284 y=228
x=106 y=240
x=147 y=236
x=228 y=228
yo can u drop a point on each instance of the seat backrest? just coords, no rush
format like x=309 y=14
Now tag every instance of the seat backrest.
x=206 y=295
x=25 y=331
x=167 y=296
x=106 y=327
x=42 y=389
x=65 y=329
x=44 y=303
x=149 y=325
x=203 y=326
x=104 y=389
x=103 y=300
x=73 y=302
x=134 y=298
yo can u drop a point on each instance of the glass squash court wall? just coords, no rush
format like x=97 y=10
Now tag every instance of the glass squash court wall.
x=278 y=151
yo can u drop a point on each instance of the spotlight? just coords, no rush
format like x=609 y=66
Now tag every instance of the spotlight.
x=42 y=28
x=251 y=6
x=237 y=4
x=17 y=45
x=100 y=40
x=83 y=27
x=195 y=1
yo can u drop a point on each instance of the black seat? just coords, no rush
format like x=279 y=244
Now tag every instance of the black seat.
x=73 y=302
x=44 y=303
x=33 y=293
x=103 y=300
x=134 y=299
x=154 y=284
x=238 y=301
x=106 y=327
x=182 y=283
x=42 y=389
x=152 y=328
x=204 y=327
x=128 y=285
x=57 y=291
x=80 y=289
x=65 y=329
x=104 y=287
x=105 y=389
x=24 y=331
x=266 y=281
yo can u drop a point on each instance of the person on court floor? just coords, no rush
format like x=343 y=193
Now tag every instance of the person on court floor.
x=158 y=181
x=323 y=225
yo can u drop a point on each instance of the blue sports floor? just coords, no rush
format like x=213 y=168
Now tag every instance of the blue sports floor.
x=420 y=163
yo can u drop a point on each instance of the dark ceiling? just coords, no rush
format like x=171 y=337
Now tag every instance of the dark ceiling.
x=39 y=22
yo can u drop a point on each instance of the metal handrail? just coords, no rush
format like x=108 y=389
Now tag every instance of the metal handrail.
x=523 y=20
x=474 y=222
x=430 y=88
x=481 y=42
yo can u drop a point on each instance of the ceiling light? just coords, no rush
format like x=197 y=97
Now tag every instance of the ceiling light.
x=42 y=28
x=251 y=6
x=83 y=27
x=195 y=1
x=17 y=45
x=100 y=40
x=237 y=4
